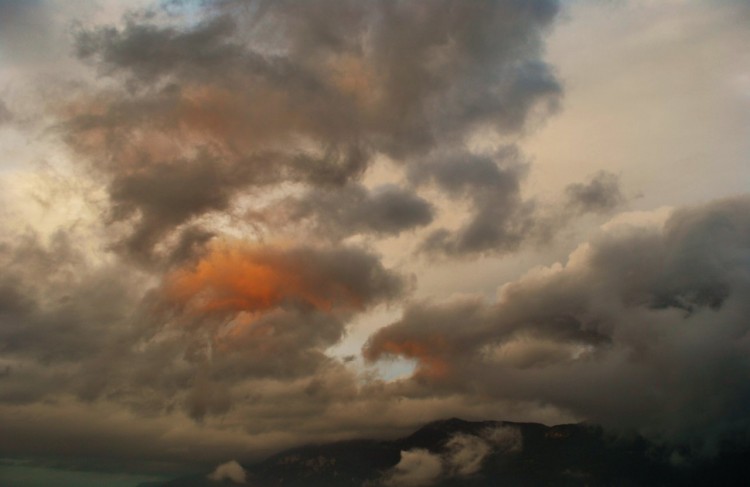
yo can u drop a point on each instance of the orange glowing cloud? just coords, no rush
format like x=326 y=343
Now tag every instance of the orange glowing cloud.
x=241 y=278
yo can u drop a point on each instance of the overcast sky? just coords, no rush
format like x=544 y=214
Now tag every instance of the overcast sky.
x=231 y=227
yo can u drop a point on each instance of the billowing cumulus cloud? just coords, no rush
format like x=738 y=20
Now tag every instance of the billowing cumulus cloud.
x=613 y=335
x=257 y=94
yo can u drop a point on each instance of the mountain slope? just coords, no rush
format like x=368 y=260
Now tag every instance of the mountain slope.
x=454 y=452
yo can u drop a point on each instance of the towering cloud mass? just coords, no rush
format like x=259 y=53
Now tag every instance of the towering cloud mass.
x=260 y=93
x=644 y=326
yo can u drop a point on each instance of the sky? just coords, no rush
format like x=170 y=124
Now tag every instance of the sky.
x=231 y=227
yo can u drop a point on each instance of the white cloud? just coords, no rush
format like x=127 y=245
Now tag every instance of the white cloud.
x=463 y=456
x=466 y=454
x=229 y=471
x=416 y=468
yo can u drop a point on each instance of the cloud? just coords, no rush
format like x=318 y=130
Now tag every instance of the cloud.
x=506 y=438
x=461 y=456
x=601 y=194
x=231 y=471
x=416 y=468
x=261 y=311
x=385 y=210
x=501 y=219
x=466 y=453
x=265 y=312
x=236 y=277
x=169 y=319
x=48 y=299
x=612 y=336
x=198 y=115
x=190 y=342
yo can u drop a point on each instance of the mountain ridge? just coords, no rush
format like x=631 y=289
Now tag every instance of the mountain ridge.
x=453 y=452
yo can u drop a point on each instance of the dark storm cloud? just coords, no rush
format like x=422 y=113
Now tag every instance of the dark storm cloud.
x=644 y=328
x=48 y=305
x=256 y=94
x=157 y=193
x=57 y=335
x=601 y=194
x=101 y=332
x=385 y=210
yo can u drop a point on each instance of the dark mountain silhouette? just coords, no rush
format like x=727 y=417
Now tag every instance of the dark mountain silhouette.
x=563 y=455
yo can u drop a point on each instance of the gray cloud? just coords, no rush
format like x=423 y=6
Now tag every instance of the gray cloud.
x=385 y=210
x=48 y=303
x=261 y=93
x=601 y=194
x=157 y=196
x=238 y=328
x=501 y=219
x=235 y=313
x=639 y=327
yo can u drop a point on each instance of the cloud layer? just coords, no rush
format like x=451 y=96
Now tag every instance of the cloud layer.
x=228 y=190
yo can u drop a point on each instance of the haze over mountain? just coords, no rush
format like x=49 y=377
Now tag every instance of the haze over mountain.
x=231 y=228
